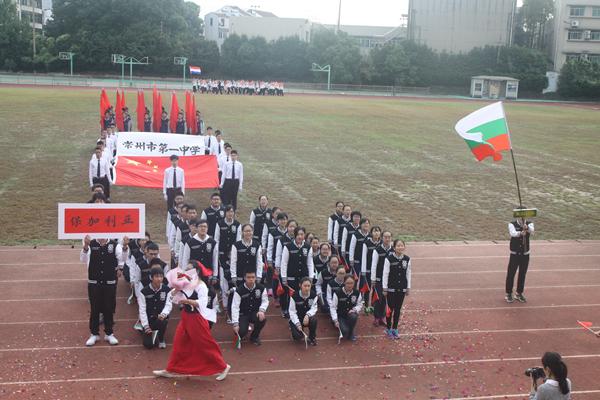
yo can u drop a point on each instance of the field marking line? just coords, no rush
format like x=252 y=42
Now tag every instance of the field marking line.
x=279 y=315
x=38 y=264
x=279 y=371
x=367 y=336
x=414 y=291
x=505 y=256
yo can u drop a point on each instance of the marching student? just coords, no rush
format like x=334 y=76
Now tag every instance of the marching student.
x=296 y=262
x=147 y=122
x=396 y=285
x=338 y=229
x=259 y=216
x=216 y=144
x=232 y=180
x=309 y=238
x=173 y=212
x=315 y=243
x=187 y=237
x=180 y=127
x=227 y=233
x=136 y=251
x=100 y=171
x=321 y=260
x=204 y=249
x=172 y=233
x=246 y=253
x=345 y=306
x=371 y=242
x=103 y=257
x=322 y=286
x=226 y=284
x=357 y=240
x=249 y=305
x=194 y=352
x=155 y=306
x=164 y=122
x=347 y=233
x=174 y=181
x=126 y=120
x=286 y=238
x=213 y=213
x=140 y=270
x=303 y=307
x=208 y=140
x=274 y=236
x=199 y=123
x=107 y=119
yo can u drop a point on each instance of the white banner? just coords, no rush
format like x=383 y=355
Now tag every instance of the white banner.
x=159 y=144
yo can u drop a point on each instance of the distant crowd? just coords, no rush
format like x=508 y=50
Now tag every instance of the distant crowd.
x=219 y=86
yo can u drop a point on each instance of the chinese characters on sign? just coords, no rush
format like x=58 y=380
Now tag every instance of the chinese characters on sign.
x=162 y=148
x=101 y=220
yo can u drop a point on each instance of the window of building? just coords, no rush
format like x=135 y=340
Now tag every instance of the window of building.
x=595 y=35
x=594 y=58
x=220 y=35
x=211 y=22
x=596 y=12
x=577 y=11
x=575 y=35
x=222 y=21
x=572 y=57
x=478 y=87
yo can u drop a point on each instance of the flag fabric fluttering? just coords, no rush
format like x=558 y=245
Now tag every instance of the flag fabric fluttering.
x=174 y=112
x=221 y=309
x=340 y=336
x=586 y=325
x=138 y=326
x=365 y=287
x=195 y=70
x=280 y=289
x=194 y=123
x=131 y=299
x=104 y=104
x=388 y=311
x=375 y=296
x=156 y=111
x=486 y=131
x=292 y=291
x=154 y=336
x=119 y=112
x=140 y=110
x=237 y=343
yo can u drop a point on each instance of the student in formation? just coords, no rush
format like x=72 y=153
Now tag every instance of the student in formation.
x=126 y=120
x=303 y=308
x=180 y=127
x=286 y=238
x=249 y=306
x=204 y=249
x=99 y=171
x=345 y=306
x=172 y=233
x=347 y=234
x=371 y=242
x=103 y=257
x=194 y=352
x=223 y=159
x=147 y=122
x=322 y=286
x=183 y=228
x=173 y=212
x=164 y=122
x=199 y=123
x=213 y=213
x=296 y=262
x=232 y=180
x=396 y=285
x=338 y=230
x=227 y=233
x=186 y=238
x=356 y=246
x=155 y=306
x=258 y=217
x=209 y=139
x=275 y=234
x=246 y=253
x=174 y=181
x=321 y=260
x=378 y=259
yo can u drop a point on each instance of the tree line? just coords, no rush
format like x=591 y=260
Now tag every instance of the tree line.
x=164 y=29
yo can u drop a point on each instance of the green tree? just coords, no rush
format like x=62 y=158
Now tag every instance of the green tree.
x=230 y=62
x=531 y=23
x=339 y=50
x=287 y=59
x=580 y=78
x=15 y=38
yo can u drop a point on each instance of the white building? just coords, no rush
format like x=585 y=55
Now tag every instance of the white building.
x=373 y=36
x=25 y=7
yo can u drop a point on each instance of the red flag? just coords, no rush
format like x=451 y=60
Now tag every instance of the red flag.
x=265 y=267
x=586 y=325
x=174 y=112
x=280 y=290
x=160 y=106
x=188 y=108
x=388 y=311
x=141 y=110
x=194 y=117
x=201 y=172
x=365 y=288
x=156 y=112
x=104 y=104
x=291 y=291
x=123 y=99
x=354 y=274
x=119 y=112
x=375 y=296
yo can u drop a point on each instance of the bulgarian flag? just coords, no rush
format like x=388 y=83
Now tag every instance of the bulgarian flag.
x=138 y=326
x=131 y=299
x=340 y=336
x=486 y=132
x=143 y=157
x=237 y=342
x=221 y=305
x=154 y=336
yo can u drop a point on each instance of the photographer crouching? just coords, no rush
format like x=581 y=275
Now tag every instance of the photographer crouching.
x=556 y=385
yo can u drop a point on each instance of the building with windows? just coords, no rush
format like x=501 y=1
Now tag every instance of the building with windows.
x=372 y=36
x=26 y=7
x=576 y=32
x=458 y=26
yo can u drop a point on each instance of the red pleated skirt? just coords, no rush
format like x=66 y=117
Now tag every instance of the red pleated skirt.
x=195 y=352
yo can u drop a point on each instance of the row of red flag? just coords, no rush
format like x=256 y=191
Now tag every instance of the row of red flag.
x=157 y=108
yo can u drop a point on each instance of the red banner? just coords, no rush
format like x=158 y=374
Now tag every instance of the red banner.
x=75 y=221
x=201 y=172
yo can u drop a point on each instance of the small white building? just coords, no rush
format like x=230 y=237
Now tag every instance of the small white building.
x=494 y=87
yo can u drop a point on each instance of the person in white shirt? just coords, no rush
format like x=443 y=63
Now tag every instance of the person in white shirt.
x=218 y=146
x=232 y=180
x=173 y=181
x=209 y=139
x=100 y=171
x=224 y=158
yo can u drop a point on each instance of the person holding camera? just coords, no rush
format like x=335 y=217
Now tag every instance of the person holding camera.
x=556 y=386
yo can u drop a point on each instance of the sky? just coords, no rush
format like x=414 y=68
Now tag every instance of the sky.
x=372 y=13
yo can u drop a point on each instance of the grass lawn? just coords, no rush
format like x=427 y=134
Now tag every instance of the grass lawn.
x=398 y=161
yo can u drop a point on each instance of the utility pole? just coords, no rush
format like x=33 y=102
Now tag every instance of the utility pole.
x=339 y=16
x=33 y=25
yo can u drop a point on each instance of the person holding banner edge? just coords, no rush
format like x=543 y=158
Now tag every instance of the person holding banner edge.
x=173 y=181
x=520 y=231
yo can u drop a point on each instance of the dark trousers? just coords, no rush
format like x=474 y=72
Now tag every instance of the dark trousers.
x=155 y=325
x=171 y=197
x=348 y=323
x=520 y=262
x=395 y=300
x=230 y=192
x=285 y=297
x=379 y=305
x=275 y=286
x=103 y=180
x=312 y=329
x=246 y=320
x=103 y=299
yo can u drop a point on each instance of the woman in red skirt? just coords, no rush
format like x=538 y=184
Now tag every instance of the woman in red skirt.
x=194 y=352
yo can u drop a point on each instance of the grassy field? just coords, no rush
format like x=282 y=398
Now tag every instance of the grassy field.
x=398 y=161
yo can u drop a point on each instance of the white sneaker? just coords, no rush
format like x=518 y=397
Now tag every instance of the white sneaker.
x=164 y=373
x=223 y=374
x=162 y=345
x=111 y=339
x=92 y=340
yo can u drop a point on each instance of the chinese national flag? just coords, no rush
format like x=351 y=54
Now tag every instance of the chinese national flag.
x=388 y=311
x=280 y=289
x=119 y=112
x=375 y=296
x=174 y=113
x=141 y=110
x=365 y=288
x=291 y=291
x=149 y=172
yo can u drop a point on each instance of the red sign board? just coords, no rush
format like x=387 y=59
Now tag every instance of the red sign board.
x=101 y=220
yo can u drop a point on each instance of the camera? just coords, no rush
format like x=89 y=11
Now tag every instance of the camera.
x=535 y=372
